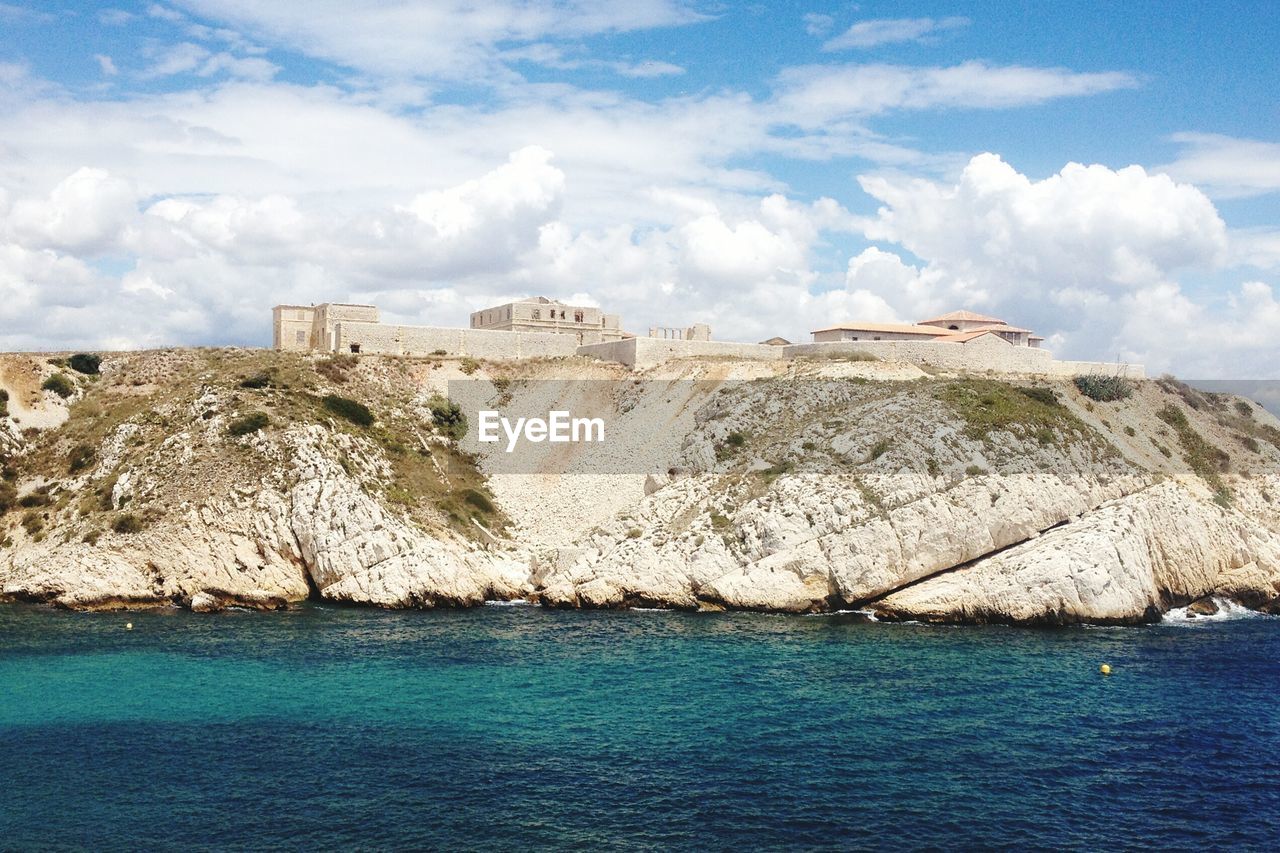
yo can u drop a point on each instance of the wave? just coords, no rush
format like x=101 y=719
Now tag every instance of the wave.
x=514 y=602
x=1228 y=611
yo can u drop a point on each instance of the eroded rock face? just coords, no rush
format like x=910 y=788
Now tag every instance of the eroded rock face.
x=1125 y=562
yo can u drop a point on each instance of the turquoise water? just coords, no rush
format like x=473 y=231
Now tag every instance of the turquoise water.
x=516 y=728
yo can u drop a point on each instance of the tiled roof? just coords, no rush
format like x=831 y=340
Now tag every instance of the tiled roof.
x=964 y=315
x=900 y=328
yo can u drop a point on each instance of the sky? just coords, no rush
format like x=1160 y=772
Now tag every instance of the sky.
x=1105 y=174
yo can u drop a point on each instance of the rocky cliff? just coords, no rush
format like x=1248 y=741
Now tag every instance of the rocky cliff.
x=209 y=478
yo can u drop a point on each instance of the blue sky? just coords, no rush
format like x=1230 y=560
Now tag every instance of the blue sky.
x=766 y=168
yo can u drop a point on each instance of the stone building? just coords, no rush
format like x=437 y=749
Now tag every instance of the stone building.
x=540 y=314
x=953 y=327
x=313 y=327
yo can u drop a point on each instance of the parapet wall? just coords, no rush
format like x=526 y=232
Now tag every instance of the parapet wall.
x=384 y=339
x=646 y=352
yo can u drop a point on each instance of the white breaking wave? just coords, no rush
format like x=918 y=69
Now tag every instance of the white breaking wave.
x=1227 y=611
x=515 y=602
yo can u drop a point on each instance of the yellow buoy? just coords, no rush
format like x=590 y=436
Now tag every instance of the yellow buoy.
x=1105 y=669
x=128 y=626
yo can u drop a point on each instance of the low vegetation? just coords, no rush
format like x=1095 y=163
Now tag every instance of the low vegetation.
x=336 y=367
x=127 y=523
x=1207 y=461
x=4 y=403
x=352 y=410
x=988 y=406
x=1104 y=389
x=84 y=362
x=80 y=457
x=250 y=423
x=59 y=384
x=448 y=418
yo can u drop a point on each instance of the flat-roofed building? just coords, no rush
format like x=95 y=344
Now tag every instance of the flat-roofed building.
x=953 y=327
x=540 y=314
x=311 y=327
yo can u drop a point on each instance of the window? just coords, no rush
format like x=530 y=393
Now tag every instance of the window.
x=876 y=338
x=954 y=328
x=577 y=316
x=355 y=348
x=537 y=313
x=562 y=315
x=300 y=337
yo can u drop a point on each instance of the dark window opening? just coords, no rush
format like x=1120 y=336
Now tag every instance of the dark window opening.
x=954 y=328
x=355 y=348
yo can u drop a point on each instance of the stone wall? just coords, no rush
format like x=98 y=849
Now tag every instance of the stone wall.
x=386 y=339
x=646 y=352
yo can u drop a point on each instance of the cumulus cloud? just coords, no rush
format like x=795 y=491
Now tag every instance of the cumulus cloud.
x=1089 y=256
x=86 y=212
x=1227 y=167
x=873 y=33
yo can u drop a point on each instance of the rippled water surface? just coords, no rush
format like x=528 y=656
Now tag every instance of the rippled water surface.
x=514 y=727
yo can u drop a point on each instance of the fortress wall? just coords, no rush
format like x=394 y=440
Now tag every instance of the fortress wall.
x=384 y=339
x=646 y=352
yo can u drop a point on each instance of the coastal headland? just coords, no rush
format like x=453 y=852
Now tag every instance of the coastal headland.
x=212 y=478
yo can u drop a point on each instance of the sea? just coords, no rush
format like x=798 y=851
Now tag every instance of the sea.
x=519 y=728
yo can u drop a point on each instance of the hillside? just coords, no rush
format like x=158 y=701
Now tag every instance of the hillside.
x=211 y=478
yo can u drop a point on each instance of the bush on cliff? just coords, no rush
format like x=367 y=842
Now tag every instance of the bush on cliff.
x=250 y=423
x=4 y=403
x=448 y=418
x=353 y=410
x=127 y=523
x=1104 y=389
x=59 y=384
x=85 y=362
x=80 y=457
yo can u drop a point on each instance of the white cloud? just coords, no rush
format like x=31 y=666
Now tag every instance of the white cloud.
x=868 y=34
x=107 y=65
x=815 y=95
x=818 y=24
x=1089 y=256
x=86 y=212
x=1226 y=167
x=451 y=40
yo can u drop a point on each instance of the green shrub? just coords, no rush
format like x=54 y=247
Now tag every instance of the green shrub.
x=353 y=410
x=773 y=472
x=468 y=365
x=4 y=403
x=809 y=445
x=478 y=500
x=80 y=457
x=85 y=362
x=257 y=380
x=1250 y=443
x=932 y=466
x=127 y=523
x=32 y=523
x=735 y=439
x=91 y=538
x=448 y=418
x=439 y=352
x=988 y=406
x=8 y=497
x=59 y=384
x=634 y=533
x=1130 y=431
x=880 y=448
x=1104 y=389
x=250 y=423
x=1245 y=410
x=1043 y=395
x=975 y=470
